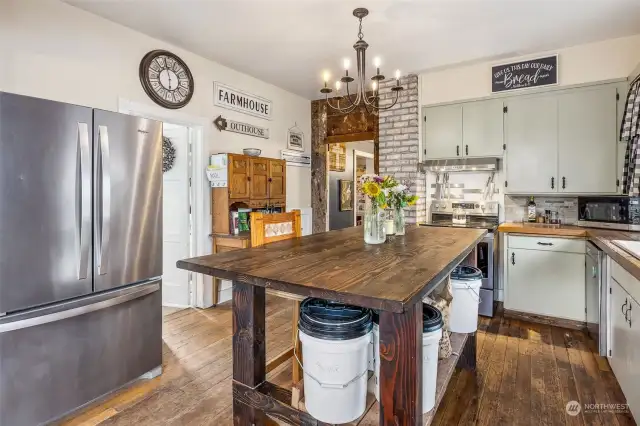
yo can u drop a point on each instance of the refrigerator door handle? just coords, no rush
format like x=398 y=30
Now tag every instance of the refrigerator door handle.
x=83 y=200
x=104 y=200
x=68 y=310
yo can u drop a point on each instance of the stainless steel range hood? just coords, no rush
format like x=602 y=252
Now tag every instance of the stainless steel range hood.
x=461 y=165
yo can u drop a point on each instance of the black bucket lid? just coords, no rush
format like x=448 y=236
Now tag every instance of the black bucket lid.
x=328 y=320
x=466 y=273
x=431 y=319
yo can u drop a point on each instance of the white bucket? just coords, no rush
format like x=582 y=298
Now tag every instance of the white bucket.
x=463 y=316
x=430 y=347
x=335 y=377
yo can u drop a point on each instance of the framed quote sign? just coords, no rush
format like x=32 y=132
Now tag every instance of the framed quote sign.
x=525 y=74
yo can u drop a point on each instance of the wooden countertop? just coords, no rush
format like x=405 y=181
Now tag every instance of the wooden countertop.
x=543 y=229
x=245 y=235
x=600 y=237
x=338 y=265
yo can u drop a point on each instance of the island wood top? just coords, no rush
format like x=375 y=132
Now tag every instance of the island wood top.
x=339 y=266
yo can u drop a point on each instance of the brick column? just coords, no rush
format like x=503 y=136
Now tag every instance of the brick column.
x=399 y=142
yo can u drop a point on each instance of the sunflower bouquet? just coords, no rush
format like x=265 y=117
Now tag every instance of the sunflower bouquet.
x=377 y=188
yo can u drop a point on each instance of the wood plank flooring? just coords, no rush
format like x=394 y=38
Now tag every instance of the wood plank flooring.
x=527 y=373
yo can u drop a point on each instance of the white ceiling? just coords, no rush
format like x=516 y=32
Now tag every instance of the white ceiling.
x=290 y=43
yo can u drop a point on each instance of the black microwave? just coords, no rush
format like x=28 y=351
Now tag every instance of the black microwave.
x=611 y=212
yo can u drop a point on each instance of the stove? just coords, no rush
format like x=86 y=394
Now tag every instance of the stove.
x=480 y=215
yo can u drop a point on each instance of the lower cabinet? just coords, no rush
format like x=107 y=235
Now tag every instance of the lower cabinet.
x=542 y=280
x=625 y=341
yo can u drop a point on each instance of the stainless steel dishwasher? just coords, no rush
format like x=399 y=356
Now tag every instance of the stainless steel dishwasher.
x=596 y=292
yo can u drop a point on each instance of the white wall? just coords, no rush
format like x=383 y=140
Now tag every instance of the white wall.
x=635 y=72
x=606 y=60
x=52 y=50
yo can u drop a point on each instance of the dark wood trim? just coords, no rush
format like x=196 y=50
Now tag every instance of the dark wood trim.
x=280 y=359
x=468 y=356
x=351 y=137
x=547 y=320
x=269 y=403
x=401 y=367
x=249 y=347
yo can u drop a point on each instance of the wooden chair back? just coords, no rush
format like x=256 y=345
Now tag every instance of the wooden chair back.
x=269 y=228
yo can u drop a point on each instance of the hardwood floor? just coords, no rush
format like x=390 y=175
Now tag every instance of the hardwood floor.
x=527 y=373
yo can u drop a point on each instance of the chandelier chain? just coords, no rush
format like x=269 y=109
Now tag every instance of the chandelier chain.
x=360 y=34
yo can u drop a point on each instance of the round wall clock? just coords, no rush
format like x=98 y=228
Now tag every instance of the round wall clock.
x=166 y=79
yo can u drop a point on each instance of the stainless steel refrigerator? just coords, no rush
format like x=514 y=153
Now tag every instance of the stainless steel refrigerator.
x=80 y=255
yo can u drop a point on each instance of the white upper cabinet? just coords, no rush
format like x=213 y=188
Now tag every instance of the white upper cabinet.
x=443 y=132
x=482 y=128
x=587 y=141
x=531 y=130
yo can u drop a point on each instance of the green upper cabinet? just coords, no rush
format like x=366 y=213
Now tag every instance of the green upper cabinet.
x=587 y=129
x=472 y=129
x=443 y=132
x=531 y=126
x=482 y=128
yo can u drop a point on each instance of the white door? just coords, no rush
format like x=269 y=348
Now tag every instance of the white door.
x=619 y=333
x=443 y=132
x=587 y=141
x=547 y=283
x=531 y=126
x=483 y=128
x=175 y=237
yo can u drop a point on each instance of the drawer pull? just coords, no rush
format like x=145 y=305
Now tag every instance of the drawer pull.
x=513 y=258
x=544 y=244
x=625 y=304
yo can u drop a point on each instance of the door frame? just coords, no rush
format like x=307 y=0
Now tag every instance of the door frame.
x=357 y=154
x=201 y=294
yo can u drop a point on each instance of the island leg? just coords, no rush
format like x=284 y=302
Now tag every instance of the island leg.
x=249 y=362
x=401 y=367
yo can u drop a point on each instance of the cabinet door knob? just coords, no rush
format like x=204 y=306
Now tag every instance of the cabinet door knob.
x=249 y=178
x=553 y=182
x=458 y=150
x=513 y=258
x=466 y=149
x=564 y=182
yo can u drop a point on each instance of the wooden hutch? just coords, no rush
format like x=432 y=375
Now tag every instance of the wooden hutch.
x=255 y=183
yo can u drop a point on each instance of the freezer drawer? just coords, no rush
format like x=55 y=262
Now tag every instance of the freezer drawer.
x=56 y=359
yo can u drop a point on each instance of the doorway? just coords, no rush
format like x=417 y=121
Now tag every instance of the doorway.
x=363 y=164
x=342 y=205
x=176 y=217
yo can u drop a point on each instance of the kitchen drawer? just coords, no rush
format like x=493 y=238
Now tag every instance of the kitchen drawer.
x=626 y=280
x=547 y=244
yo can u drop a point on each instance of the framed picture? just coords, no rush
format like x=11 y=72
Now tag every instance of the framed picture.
x=295 y=139
x=346 y=195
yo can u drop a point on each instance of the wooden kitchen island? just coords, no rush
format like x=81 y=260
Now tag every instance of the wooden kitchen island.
x=392 y=277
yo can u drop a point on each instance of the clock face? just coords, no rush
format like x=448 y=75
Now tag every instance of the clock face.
x=166 y=79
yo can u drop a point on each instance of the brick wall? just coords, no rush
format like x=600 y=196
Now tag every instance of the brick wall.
x=399 y=142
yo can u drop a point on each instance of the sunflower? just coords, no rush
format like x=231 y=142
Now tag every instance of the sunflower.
x=372 y=189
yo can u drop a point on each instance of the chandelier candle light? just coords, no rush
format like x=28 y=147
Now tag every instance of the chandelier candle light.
x=369 y=101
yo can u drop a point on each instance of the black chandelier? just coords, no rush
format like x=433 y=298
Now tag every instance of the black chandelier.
x=369 y=101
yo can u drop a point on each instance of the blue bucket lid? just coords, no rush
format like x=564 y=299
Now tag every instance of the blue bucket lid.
x=466 y=273
x=431 y=318
x=327 y=320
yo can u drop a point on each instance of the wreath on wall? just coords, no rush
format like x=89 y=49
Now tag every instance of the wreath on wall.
x=168 y=154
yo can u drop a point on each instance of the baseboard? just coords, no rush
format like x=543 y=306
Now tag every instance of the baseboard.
x=547 y=320
x=175 y=305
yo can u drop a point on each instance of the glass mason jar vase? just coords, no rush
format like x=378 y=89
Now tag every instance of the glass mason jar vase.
x=399 y=221
x=374 y=232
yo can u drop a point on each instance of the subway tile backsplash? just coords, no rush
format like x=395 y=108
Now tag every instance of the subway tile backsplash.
x=515 y=208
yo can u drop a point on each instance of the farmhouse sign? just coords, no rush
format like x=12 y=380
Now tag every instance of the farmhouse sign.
x=520 y=75
x=243 y=128
x=230 y=98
